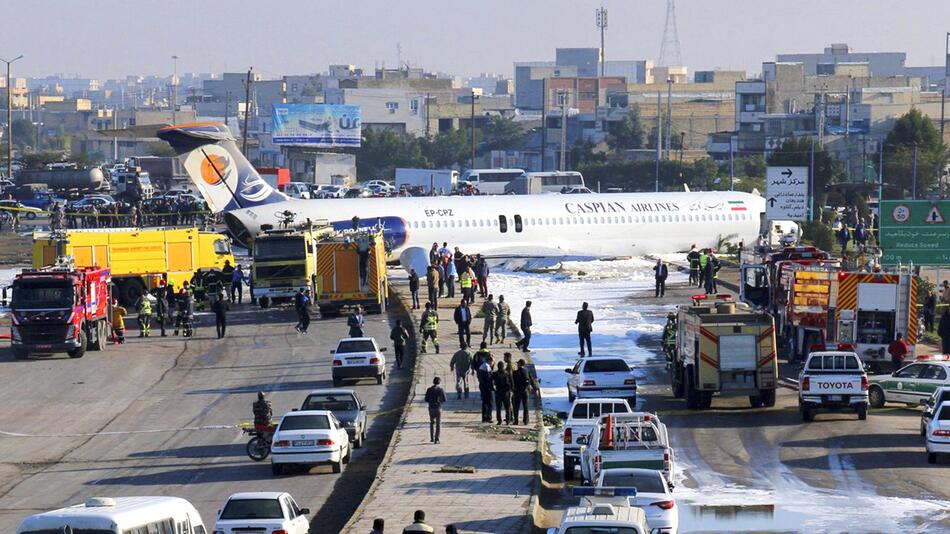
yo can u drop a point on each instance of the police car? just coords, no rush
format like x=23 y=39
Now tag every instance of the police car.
x=912 y=384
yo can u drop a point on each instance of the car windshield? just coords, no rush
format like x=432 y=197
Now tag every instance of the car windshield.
x=304 y=422
x=252 y=509
x=331 y=402
x=41 y=295
x=606 y=366
x=645 y=483
x=283 y=248
x=355 y=345
x=601 y=530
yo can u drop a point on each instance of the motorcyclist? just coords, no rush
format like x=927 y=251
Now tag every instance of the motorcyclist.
x=263 y=412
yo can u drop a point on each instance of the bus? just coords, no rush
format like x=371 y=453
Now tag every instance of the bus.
x=550 y=182
x=490 y=181
x=122 y=515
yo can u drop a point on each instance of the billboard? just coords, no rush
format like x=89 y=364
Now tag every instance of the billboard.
x=318 y=125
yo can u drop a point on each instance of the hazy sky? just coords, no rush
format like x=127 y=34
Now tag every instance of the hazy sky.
x=110 y=38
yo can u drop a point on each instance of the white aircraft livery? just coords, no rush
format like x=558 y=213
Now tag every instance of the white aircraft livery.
x=509 y=226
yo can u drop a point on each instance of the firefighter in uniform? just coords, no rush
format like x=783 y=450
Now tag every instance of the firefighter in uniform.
x=429 y=327
x=669 y=338
x=144 y=309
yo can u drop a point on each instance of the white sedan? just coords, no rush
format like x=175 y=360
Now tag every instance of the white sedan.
x=652 y=495
x=311 y=437
x=938 y=433
x=262 y=512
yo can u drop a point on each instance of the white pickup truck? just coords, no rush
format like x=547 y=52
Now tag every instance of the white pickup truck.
x=581 y=419
x=633 y=440
x=833 y=381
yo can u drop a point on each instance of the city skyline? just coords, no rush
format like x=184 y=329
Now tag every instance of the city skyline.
x=116 y=39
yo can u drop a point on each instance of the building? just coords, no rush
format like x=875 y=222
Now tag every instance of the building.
x=880 y=63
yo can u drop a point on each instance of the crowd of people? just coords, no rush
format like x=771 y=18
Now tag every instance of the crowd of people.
x=704 y=269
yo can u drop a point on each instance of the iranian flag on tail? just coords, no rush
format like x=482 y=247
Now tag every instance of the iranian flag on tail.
x=737 y=205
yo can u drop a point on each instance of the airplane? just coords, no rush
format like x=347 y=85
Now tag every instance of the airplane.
x=503 y=226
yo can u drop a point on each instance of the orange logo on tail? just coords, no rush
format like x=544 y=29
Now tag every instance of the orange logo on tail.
x=213 y=168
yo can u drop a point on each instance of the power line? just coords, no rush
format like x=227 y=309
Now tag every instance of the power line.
x=670 y=47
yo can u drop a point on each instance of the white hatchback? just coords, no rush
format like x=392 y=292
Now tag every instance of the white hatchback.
x=311 y=437
x=262 y=512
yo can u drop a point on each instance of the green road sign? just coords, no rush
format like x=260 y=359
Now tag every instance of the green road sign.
x=915 y=231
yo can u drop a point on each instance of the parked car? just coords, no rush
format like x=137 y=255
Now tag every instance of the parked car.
x=833 y=381
x=173 y=193
x=601 y=376
x=653 y=496
x=346 y=406
x=312 y=437
x=334 y=191
x=939 y=397
x=600 y=517
x=938 y=433
x=357 y=192
x=262 y=512
x=358 y=357
x=912 y=384
x=379 y=183
x=85 y=203
x=584 y=414
x=576 y=190
x=297 y=190
x=28 y=212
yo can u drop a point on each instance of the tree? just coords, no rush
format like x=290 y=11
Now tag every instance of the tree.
x=500 y=133
x=36 y=160
x=447 y=148
x=161 y=149
x=913 y=129
x=796 y=152
x=675 y=143
x=381 y=151
x=24 y=133
x=628 y=133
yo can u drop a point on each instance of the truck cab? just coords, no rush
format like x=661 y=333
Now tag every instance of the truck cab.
x=133 y=184
x=285 y=261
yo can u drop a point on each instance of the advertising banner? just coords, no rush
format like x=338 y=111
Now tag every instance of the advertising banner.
x=317 y=125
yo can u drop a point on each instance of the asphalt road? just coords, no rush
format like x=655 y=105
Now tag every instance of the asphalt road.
x=130 y=420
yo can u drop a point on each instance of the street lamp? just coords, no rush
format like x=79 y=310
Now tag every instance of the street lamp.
x=174 y=87
x=10 y=117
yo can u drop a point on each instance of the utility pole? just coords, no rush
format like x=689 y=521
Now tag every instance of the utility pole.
x=946 y=72
x=563 y=165
x=811 y=183
x=544 y=120
x=427 y=115
x=247 y=110
x=659 y=134
x=174 y=89
x=227 y=104
x=602 y=24
x=471 y=128
x=10 y=117
x=732 y=163
x=913 y=184
x=669 y=116
x=880 y=171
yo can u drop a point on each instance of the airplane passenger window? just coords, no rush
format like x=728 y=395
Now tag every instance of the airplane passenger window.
x=503 y=222
x=518 y=225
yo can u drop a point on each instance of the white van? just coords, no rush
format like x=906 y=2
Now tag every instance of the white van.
x=297 y=190
x=490 y=181
x=122 y=515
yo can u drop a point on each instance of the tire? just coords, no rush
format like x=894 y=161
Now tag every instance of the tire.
x=768 y=397
x=862 y=412
x=755 y=401
x=807 y=415
x=258 y=449
x=277 y=469
x=337 y=382
x=931 y=457
x=337 y=466
x=263 y=302
x=705 y=399
x=129 y=290
x=80 y=351
x=31 y=215
x=349 y=455
x=569 y=468
x=21 y=354
x=358 y=442
x=379 y=379
x=677 y=387
x=692 y=399
x=570 y=396
x=876 y=397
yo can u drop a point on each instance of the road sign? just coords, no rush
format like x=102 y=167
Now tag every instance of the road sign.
x=915 y=231
x=786 y=193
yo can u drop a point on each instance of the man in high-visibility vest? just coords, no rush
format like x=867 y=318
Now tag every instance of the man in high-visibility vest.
x=703 y=260
x=465 y=279
x=429 y=327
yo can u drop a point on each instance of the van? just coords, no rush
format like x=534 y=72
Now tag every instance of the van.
x=297 y=190
x=121 y=515
x=490 y=181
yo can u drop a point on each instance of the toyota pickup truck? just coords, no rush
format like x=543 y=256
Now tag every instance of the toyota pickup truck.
x=833 y=381
x=632 y=440
x=584 y=414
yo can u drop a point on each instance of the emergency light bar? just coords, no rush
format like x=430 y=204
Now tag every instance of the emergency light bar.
x=590 y=491
x=933 y=358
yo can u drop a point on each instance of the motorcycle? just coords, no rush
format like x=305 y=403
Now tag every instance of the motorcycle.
x=258 y=447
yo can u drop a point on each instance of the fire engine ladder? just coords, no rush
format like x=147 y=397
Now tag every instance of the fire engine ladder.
x=904 y=315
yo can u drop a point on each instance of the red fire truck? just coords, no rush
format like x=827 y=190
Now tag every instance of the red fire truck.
x=60 y=309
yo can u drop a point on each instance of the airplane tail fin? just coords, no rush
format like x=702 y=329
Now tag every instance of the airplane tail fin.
x=225 y=178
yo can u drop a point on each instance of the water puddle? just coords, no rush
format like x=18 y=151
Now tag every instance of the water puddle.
x=743 y=518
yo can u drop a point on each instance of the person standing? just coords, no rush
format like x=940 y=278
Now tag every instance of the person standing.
x=481 y=273
x=945 y=292
x=429 y=327
x=435 y=398
x=118 y=322
x=379 y=525
x=465 y=281
x=501 y=380
x=585 y=325
x=486 y=387
x=220 y=308
x=693 y=258
x=414 y=288
x=943 y=330
x=442 y=277
x=490 y=312
x=501 y=319
x=161 y=307
x=525 y=327
x=450 y=274
x=434 y=254
x=144 y=308
x=898 y=349
x=703 y=261
x=463 y=319
x=418 y=524
x=708 y=275
x=227 y=274
x=660 y=272
x=356 y=322
x=521 y=382
x=238 y=279
x=305 y=312
x=399 y=336
x=930 y=310
x=298 y=308
x=461 y=264
x=461 y=363
x=432 y=285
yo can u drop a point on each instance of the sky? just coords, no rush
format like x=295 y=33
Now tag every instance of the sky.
x=111 y=38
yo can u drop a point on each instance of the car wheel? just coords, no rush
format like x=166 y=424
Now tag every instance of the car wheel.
x=277 y=469
x=337 y=466
x=349 y=454
x=807 y=415
x=21 y=354
x=358 y=442
x=923 y=430
x=863 y=412
x=569 y=468
x=379 y=379
x=570 y=396
x=931 y=457
x=876 y=397
x=337 y=382
x=31 y=215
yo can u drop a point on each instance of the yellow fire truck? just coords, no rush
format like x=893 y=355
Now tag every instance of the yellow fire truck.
x=285 y=261
x=723 y=348
x=351 y=270
x=138 y=258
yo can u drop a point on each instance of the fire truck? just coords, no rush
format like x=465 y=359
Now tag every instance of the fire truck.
x=60 y=308
x=351 y=271
x=726 y=349
x=822 y=308
x=764 y=284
